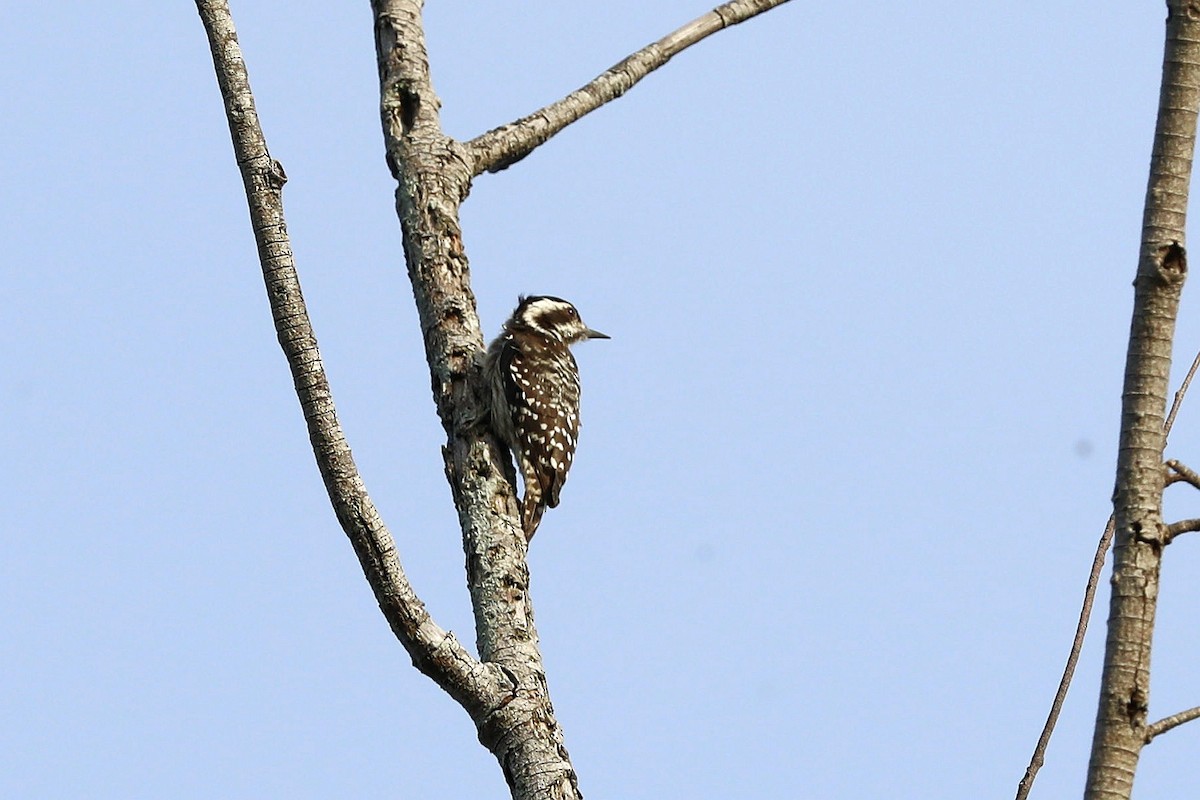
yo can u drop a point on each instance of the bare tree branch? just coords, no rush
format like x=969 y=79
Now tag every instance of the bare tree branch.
x=1158 y=218
x=1182 y=526
x=1173 y=721
x=433 y=177
x=502 y=147
x=434 y=651
x=1137 y=500
x=1060 y=696
x=1182 y=473
x=505 y=690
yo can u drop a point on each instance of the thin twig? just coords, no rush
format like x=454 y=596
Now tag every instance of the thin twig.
x=1174 y=721
x=502 y=147
x=1179 y=395
x=1089 y=597
x=434 y=651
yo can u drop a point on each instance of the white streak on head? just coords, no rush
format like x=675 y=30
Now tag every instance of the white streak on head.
x=553 y=318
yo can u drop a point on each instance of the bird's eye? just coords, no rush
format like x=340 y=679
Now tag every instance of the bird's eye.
x=573 y=313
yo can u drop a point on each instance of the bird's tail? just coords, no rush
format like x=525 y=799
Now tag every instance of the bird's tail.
x=531 y=516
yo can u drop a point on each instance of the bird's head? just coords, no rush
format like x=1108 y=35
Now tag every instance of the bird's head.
x=553 y=318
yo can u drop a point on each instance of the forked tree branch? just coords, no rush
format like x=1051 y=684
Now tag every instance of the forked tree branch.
x=434 y=651
x=502 y=147
x=505 y=690
x=1173 y=721
x=1182 y=473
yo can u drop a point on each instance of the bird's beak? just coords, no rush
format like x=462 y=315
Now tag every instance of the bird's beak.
x=591 y=334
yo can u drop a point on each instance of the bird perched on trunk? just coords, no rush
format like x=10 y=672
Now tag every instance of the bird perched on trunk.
x=533 y=387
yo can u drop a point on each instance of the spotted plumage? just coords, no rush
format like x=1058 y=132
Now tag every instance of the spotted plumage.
x=534 y=397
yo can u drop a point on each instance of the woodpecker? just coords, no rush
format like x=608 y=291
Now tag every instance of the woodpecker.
x=533 y=388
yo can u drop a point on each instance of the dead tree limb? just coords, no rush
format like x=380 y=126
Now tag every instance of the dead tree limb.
x=1137 y=502
x=502 y=147
x=1173 y=721
x=434 y=651
x=504 y=690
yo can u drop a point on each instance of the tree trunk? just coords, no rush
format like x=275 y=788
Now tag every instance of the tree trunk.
x=433 y=177
x=1140 y=534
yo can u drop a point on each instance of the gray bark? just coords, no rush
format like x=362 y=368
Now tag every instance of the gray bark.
x=433 y=177
x=504 y=690
x=1121 y=727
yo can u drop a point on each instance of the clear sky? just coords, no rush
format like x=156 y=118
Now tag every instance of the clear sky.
x=844 y=463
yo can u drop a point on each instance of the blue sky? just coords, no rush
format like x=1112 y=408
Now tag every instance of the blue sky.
x=843 y=466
